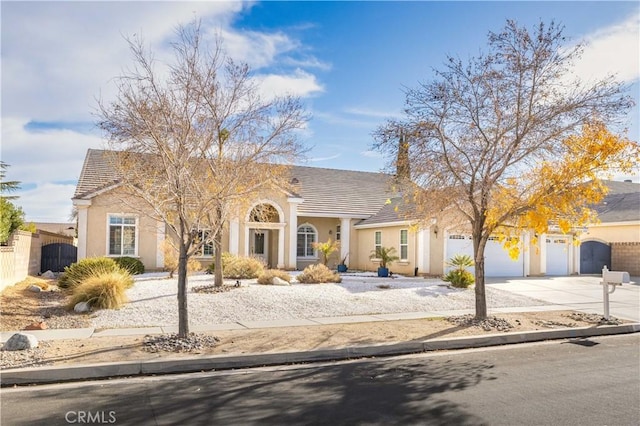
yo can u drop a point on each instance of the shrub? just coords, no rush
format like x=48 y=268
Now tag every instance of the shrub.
x=75 y=274
x=267 y=276
x=132 y=265
x=460 y=278
x=103 y=291
x=193 y=265
x=171 y=260
x=316 y=274
x=239 y=267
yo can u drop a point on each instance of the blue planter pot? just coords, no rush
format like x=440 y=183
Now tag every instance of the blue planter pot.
x=342 y=268
x=383 y=272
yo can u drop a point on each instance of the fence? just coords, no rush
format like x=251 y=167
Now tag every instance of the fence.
x=22 y=255
x=19 y=258
x=626 y=257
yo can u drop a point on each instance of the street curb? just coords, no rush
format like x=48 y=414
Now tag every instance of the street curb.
x=59 y=374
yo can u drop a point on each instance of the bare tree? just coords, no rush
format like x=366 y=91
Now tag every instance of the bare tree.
x=194 y=142
x=490 y=139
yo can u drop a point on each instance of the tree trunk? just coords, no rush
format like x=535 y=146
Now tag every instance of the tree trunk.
x=217 y=243
x=479 y=243
x=183 y=312
x=218 y=276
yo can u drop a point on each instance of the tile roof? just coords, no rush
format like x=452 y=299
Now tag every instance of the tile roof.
x=96 y=174
x=340 y=192
x=329 y=192
x=394 y=210
x=621 y=204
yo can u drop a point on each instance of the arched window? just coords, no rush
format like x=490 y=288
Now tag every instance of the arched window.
x=306 y=238
x=264 y=213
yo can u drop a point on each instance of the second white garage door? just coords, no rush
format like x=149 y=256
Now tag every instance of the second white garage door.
x=497 y=262
x=558 y=255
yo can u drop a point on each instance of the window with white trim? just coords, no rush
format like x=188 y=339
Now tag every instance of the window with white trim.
x=377 y=242
x=404 y=244
x=122 y=235
x=306 y=238
x=207 y=248
x=338 y=233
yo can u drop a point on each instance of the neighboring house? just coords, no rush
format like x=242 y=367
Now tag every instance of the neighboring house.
x=615 y=240
x=359 y=209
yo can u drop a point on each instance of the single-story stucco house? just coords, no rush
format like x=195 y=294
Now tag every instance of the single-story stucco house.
x=357 y=208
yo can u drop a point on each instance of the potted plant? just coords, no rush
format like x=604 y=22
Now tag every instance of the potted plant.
x=342 y=266
x=386 y=256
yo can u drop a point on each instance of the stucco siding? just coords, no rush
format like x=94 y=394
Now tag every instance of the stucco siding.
x=619 y=233
x=97 y=228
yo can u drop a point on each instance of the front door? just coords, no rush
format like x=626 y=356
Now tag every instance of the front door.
x=260 y=247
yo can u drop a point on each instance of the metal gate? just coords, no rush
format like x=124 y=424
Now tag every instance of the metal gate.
x=56 y=256
x=594 y=255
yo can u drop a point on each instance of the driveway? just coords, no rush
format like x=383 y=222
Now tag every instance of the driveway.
x=581 y=293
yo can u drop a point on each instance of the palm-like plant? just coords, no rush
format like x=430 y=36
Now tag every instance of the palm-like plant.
x=461 y=262
x=459 y=276
x=326 y=249
x=386 y=255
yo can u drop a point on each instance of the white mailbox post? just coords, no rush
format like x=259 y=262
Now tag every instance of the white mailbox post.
x=613 y=279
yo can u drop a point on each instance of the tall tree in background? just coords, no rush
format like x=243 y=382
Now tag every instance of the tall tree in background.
x=7 y=186
x=11 y=216
x=508 y=141
x=195 y=142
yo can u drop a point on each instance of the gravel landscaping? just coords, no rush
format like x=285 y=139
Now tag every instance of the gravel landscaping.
x=153 y=300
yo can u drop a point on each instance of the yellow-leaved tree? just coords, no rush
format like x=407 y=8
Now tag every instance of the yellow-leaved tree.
x=509 y=141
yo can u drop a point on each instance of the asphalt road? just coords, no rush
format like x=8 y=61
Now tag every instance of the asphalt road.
x=592 y=381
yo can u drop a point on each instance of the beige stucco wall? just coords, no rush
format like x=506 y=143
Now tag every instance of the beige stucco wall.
x=97 y=228
x=390 y=238
x=323 y=226
x=620 y=233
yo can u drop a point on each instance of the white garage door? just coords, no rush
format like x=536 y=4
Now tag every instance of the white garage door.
x=497 y=262
x=558 y=255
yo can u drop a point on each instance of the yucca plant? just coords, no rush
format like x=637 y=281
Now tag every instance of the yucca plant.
x=459 y=276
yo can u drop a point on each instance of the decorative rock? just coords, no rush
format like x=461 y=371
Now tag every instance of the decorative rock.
x=49 y=275
x=81 y=307
x=20 y=342
x=34 y=288
x=279 y=281
x=40 y=325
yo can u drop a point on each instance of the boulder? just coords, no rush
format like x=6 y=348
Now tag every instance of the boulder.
x=34 y=288
x=279 y=281
x=49 y=275
x=82 y=307
x=20 y=342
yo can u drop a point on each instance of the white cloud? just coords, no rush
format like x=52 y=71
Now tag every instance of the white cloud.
x=48 y=202
x=368 y=112
x=300 y=83
x=320 y=159
x=44 y=156
x=372 y=154
x=612 y=50
x=58 y=57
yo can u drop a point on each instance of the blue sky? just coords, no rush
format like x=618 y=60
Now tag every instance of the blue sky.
x=349 y=61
